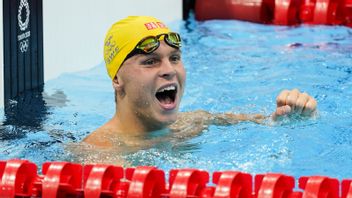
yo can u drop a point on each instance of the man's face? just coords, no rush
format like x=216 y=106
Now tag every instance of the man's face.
x=153 y=85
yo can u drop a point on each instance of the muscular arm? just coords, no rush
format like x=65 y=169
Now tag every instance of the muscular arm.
x=193 y=123
x=288 y=102
x=230 y=118
x=206 y=118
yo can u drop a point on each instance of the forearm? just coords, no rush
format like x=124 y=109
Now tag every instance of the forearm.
x=205 y=118
x=230 y=118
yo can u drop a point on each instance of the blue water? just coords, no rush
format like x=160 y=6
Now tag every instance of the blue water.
x=232 y=66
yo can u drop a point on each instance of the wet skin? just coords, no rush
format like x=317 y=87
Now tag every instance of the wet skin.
x=148 y=91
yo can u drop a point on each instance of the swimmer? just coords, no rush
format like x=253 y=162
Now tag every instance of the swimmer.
x=143 y=59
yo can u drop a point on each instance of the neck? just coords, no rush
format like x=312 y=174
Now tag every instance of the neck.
x=131 y=123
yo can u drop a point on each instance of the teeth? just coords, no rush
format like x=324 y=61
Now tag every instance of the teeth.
x=169 y=88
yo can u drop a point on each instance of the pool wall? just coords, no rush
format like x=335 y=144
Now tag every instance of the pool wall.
x=1 y=61
x=74 y=31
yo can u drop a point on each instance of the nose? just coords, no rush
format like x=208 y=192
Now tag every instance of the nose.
x=167 y=70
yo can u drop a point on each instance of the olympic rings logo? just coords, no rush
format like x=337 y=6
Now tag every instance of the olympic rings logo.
x=24 y=45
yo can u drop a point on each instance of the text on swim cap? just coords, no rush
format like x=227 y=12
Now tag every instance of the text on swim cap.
x=110 y=50
x=154 y=25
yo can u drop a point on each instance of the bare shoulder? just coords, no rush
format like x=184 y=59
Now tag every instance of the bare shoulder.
x=101 y=137
x=97 y=150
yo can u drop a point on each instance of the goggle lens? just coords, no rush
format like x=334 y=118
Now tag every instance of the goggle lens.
x=148 y=44
x=173 y=39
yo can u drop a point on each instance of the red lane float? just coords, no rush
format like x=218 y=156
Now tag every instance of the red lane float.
x=232 y=184
x=274 y=185
x=248 y=10
x=102 y=180
x=61 y=179
x=187 y=183
x=346 y=188
x=323 y=12
x=319 y=186
x=145 y=182
x=286 y=12
x=278 y=12
x=19 y=178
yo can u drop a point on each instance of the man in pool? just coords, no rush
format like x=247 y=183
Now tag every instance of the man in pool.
x=143 y=59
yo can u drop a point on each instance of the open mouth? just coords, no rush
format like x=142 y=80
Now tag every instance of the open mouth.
x=167 y=95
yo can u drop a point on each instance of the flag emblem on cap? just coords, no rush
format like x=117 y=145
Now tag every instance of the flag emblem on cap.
x=154 y=25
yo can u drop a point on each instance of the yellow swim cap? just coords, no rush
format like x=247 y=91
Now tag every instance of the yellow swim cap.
x=123 y=37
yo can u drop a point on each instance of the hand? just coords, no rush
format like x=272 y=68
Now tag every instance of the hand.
x=290 y=102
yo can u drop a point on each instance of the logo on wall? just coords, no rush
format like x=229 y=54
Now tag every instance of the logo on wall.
x=23 y=38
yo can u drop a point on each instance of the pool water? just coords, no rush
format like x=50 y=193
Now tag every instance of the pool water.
x=232 y=66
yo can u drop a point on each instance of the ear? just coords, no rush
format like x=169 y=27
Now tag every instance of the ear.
x=117 y=83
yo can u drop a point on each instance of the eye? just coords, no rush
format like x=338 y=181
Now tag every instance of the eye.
x=175 y=58
x=150 y=61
